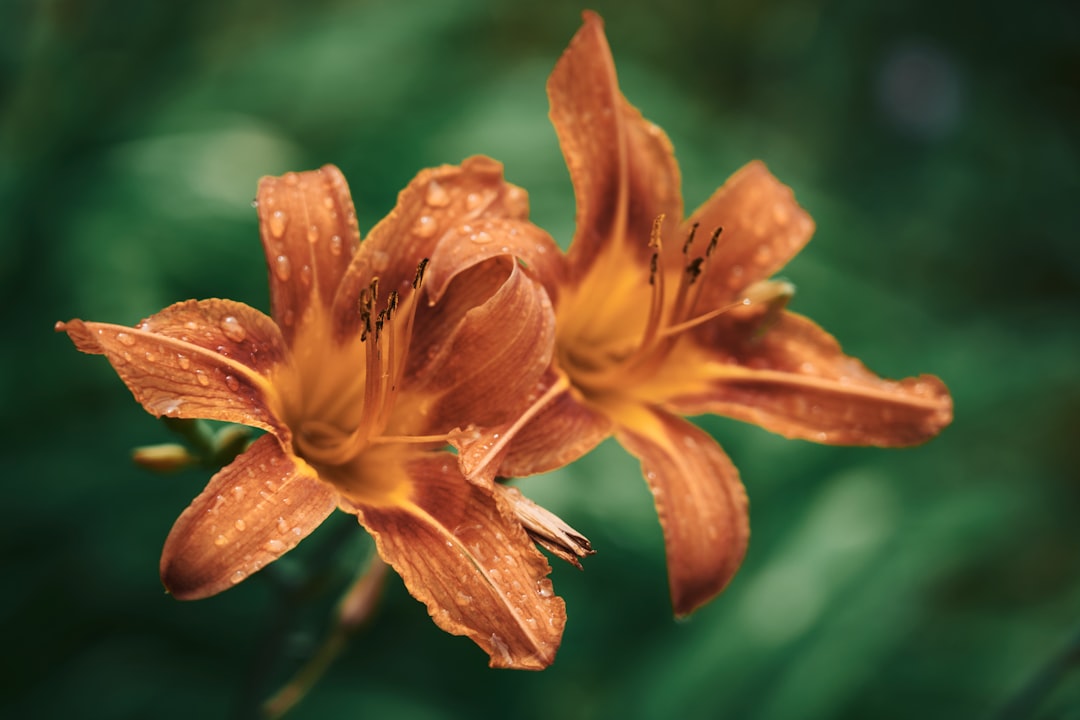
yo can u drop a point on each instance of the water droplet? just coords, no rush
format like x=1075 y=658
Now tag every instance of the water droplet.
x=220 y=540
x=238 y=491
x=781 y=214
x=201 y=377
x=274 y=546
x=237 y=576
x=184 y=362
x=481 y=237
x=424 y=226
x=292 y=179
x=437 y=196
x=463 y=598
x=328 y=202
x=297 y=532
x=240 y=525
x=543 y=588
x=305 y=275
x=282 y=526
x=277 y=223
x=282 y=268
x=313 y=234
x=232 y=383
x=125 y=339
x=150 y=357
x=233 y=329
x=473 y=201
x=335 y=245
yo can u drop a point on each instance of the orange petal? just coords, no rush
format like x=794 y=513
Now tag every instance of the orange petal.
x=483 y=364
x=622 y=166
x=795 y=380
x=309 y=234
x=561 y=431
x=438 y=201
x=763 y=228
x=700 y=500
x=252 y=512
x=462 y=553
x=169 y=366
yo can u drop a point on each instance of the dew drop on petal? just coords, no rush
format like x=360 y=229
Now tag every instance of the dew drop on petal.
x=282 y=268
x=220 y=540
x=313 y=234
x=473 y=201
x=437 y=196
x=237 y=576
x=481 y=238
x=183 y=361
x=240 y=525
x=277 y=223
x=232 y=383
x=424 y=226
x=305 y=275
x=274 y=546
x=201 y=377
x=233 y=329
x=335 y=245
x=125 y=339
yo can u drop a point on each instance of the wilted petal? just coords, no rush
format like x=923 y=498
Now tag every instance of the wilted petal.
x=446 y=199
x=180 y=378
x=700 y=500
x=309 y=233
x=252 y=512
x=622 y=166
x=763 y=228
x=546 y=528
x=464 y=555
x=480 y=356
x=795 y=380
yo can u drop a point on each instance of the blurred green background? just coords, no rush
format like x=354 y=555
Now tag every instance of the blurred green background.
x=936 y=146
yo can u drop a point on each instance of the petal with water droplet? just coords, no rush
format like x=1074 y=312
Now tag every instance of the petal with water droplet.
x=224 y=536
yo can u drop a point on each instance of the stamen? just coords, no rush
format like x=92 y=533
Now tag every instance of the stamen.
x=690 y=239
x=419 y=277
x=713 y=241
x=505 y=437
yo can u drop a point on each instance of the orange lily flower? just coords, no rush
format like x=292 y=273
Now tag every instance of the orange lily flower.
x=657 y=320
x=357 y=382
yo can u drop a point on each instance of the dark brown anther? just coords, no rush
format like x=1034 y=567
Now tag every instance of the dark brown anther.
x=689 y=239
x=654 y=262
x=693 y=270
x=374 y=290
x=713 y=241
x=391 y=303
x=365 y=320
x=419 y=277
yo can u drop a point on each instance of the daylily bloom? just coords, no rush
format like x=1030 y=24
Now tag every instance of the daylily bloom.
x=659 y=317
x=357 y=379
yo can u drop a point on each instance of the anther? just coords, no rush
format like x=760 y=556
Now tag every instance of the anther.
x=713 y=241
x=654 y=263
x=689 y=239
x=419 y=277
x=654 y=236
x=693 y=270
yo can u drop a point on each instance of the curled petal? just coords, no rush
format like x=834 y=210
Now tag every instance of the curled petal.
x=700 y=500
x=251 y=513
x=462 y=553
x=481 y=357
x=622 y=166
x=466 y=245
x=173 y=377
x=546 y=528
x=795 y=380
x=309 y=234
x=763 y=228
x=437 y=201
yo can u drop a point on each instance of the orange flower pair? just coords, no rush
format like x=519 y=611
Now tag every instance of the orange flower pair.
x=457 y=321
